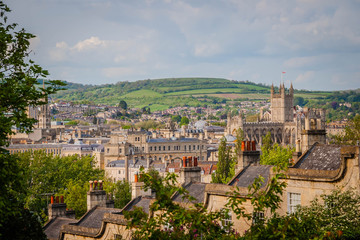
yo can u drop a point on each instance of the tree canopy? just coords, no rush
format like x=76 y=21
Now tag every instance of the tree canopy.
x=351 y=134
x=20 y=87
x=226 y=164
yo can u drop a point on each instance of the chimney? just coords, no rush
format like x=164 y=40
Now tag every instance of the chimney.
x=57 y=208
x=96 y=196
x=189 y=173
x=248 y=155
x=137 y=188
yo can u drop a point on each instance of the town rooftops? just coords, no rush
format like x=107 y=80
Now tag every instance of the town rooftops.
x=170 y=140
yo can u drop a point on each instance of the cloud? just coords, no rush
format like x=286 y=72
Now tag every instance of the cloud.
x=117 y=72
x=305 y=77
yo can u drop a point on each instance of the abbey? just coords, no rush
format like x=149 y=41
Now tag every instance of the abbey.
x=286 y=125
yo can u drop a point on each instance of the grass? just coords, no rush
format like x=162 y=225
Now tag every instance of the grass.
x=142 y=93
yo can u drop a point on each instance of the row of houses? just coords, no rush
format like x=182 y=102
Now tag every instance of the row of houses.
x=319 y=170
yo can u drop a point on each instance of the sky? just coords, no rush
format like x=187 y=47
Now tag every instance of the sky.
x=315 y=42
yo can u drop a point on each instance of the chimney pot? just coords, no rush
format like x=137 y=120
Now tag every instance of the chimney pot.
x=243 y=146
x=248 y=146
x=184 y=161
x=91 y=185
x=253 y=146
x=57 y=199
x=95 y=184
x=190 y=161
x=62 y=199
x=136 y=177
x=100 y=184
x=195 y=162
x=52 y=199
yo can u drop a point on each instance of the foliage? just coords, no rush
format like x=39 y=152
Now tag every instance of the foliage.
x=123 y=105
x=75 y=196
x=239 y=140
x=184 y=121
x=275 y=154
x=47 y=174
x=226 y=164
x=120 y=191
x=149 y=124
x=176 y=118
x=351 y=135
x=169 y=220
x=19 y=88
x=338 y=212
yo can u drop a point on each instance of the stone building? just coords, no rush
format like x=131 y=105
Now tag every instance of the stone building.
x=286 y=126
x=143 y=145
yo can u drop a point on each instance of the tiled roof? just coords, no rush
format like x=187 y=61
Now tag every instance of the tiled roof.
x=94 y=217
x=52 y=228
x=195 y=190
x=247 y=176
x=320 y=157
x=143 y=202
x=167 y=140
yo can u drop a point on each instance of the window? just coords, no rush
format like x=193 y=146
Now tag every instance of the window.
x=107 y=150
x=154 y=148
x=198 y=147
x=258 y=217
x=294 y=200
x=171 y=170
x=193 y=147
x=226 y=221
x=120 y=150
x=169 y=148
x=164 y=148
x=150 y=148
x=185 y=147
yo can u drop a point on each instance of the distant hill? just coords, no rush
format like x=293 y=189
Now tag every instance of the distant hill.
x=169 y=92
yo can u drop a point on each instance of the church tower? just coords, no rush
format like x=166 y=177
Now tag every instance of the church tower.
x=282 y=104
x=41 y=113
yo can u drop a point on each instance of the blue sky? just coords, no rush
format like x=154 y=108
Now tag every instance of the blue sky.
x=316 y=42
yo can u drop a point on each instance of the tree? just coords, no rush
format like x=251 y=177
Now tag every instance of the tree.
x=239 y=140
x=120 y=191
x=19 y=88
x=226 y=164
x=184 y=121
x=275 y=154
x=176 y=118
x=123 y=105
x=47 y=174
x=351 y=134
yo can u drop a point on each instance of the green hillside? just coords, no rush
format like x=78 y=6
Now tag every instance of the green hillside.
x=163 y=93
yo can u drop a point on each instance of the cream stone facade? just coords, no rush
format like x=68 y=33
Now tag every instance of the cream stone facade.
x=286 y=126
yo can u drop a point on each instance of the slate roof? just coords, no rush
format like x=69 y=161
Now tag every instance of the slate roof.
x=195 y=190
x=320 y=157
x=93 y=218
x=52 y=228
x=141 y=201
x=247 y=176
x=167 y=140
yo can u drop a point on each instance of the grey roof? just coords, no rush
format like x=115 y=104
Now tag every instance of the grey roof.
x=247 y=176
x=195 y=190
x=214 y=129
x=52 y=228
x=141 y=201
x=94 y=217
x=167 y=140
x=321 y=157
